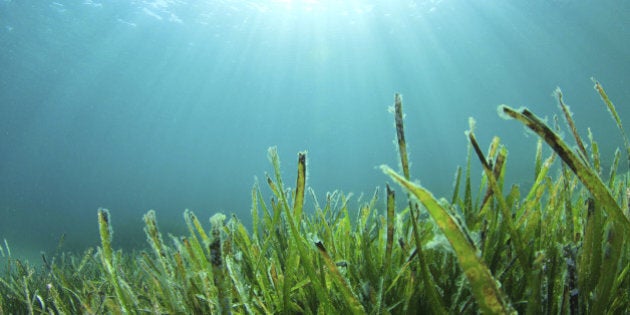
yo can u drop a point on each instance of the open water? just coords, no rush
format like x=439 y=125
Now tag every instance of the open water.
x=172 y=104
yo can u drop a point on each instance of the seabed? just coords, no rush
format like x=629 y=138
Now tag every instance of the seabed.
x=560 y=247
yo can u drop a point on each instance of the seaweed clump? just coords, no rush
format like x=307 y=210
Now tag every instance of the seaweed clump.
x=561 y=247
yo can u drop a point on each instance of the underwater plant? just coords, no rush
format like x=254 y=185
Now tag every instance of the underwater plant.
x=560 y=247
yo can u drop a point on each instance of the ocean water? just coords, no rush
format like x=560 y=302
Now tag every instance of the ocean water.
x=168 y=105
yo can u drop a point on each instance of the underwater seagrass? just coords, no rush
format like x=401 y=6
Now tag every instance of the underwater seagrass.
x=560 y=247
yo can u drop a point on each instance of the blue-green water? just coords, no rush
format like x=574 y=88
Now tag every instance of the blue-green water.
x=168 y=105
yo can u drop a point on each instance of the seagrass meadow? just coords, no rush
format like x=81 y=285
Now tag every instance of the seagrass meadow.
x=559 y=247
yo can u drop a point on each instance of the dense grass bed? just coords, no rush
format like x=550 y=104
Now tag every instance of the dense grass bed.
x=560 y=247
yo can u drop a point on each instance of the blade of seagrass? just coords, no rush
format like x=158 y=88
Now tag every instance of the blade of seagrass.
x=587 y=176
x=483 y=285
x=429 y=282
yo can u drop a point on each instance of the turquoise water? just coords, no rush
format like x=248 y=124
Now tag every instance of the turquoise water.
x=168 y=105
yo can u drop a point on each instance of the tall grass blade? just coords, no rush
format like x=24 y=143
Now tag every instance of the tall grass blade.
x=110 y=264
x=300 y=187
x=491 y=176
x=613 y=112
x=430 y=285
x=568 y=116
x=391 y=205
x=587 y=176
x=400 y=134
x=297 y=238
x=483 y=285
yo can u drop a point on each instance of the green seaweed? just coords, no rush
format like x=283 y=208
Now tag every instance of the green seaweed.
x=434 y=300
x=482 y=282
x=560 y=247
x=123 y=293
x=587 y=175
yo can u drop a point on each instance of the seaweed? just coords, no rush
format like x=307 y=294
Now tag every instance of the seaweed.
x=560 y=247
